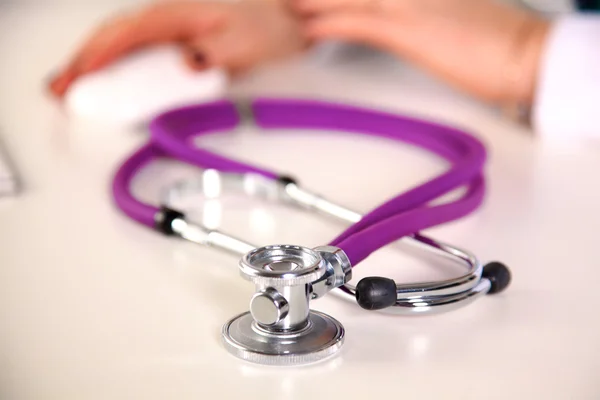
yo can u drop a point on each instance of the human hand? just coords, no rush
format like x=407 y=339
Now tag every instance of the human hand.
x=234 y=36
x=486 y=48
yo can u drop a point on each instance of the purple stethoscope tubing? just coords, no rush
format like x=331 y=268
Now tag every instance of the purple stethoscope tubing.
x=404 y=214
x=407 y=213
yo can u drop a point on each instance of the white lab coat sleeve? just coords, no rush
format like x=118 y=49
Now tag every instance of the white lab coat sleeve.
x=567 y=98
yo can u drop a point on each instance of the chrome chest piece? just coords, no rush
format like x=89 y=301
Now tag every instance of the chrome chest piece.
x=280 y=328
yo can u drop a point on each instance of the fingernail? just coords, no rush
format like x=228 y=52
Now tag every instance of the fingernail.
x=199 y=60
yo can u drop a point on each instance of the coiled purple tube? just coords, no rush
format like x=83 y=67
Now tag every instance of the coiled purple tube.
x=407 y=213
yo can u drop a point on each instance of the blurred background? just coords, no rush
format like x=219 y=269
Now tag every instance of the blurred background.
x=88 y=311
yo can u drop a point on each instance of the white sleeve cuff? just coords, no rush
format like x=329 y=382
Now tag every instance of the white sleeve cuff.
x=567 y=102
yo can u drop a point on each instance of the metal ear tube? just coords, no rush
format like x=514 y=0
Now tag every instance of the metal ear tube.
x=280 y=328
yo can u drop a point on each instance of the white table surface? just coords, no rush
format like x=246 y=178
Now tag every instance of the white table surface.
x=93 y=306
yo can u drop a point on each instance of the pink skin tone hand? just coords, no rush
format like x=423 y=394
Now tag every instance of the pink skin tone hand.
x=483 y=47
x=234 y=36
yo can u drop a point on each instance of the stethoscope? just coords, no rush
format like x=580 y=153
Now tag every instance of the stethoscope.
x=280 y=328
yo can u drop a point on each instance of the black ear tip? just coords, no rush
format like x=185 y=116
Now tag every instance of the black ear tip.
x=498 y=274
x=376 y=293
x=286 y=180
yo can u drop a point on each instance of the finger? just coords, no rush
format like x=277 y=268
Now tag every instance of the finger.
x=215 y=50
x=224 y=48
x=59 y=84
x=167 y=22
x=105 y=35
x=218 y=51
